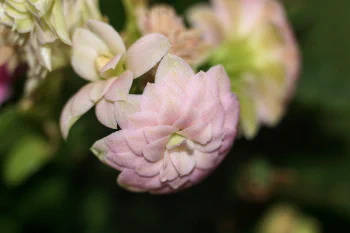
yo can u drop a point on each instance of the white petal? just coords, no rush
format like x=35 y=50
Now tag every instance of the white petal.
x=145 y=53
x=107 y=33
x=120 y=88
x=78 y=105
x=83 y=63
x=105 y=113
x=86 y=39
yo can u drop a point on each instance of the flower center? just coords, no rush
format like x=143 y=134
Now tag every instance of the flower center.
x=101 y=61
x=176 y=140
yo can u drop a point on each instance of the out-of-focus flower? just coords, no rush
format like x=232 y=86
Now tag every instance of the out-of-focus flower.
x=9 y=60
x=186 y=43
x=254 y=42
x=286 y=219
x=100 y=56
x=45 y=17
x=43 y=52
x=174 y=134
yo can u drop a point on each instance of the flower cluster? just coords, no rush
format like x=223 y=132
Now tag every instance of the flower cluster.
x=173 y=125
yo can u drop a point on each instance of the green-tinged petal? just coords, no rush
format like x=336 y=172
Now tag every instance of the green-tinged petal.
x=18 y=6
x=14 y=13
x=42 y=6
x=248 y=115
x=44 y=33
x=24 y=25
x=56 y=19
x=45 y=57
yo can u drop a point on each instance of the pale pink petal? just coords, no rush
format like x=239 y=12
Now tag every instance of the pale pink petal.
x=218 y=72
x=120 y=88
x=145 y=53
x=149 y=169
x=107 y=33
x=83 y=63
x=123 y=109
x=162 y=191
x=158 y=132
x=183 y=161
x=205 y=160
x=168 y=172
x=231 y=107
x=125 y=160
x=117 y=143
x=213 y=145
x=198 y=175
x=100 y=88
x=111 y=65
x=169 y=111
x=142 y=119
x=154 y=151
x=175 y=66
x=77 y=106
x=136 y=140
x=201 y=133
x=105 y=113
x=150 y=101
x=178 y=182
x=130 y=180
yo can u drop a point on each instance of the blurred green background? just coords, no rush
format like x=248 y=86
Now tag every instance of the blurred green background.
x=291 y=179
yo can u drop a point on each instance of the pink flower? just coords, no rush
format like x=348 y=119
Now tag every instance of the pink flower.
x=5 y=84
x=174 y=134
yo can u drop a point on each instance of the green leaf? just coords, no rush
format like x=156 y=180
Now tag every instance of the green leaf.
x=29 y=155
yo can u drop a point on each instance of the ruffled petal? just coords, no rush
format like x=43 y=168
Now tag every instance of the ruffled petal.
x=201 y=133
x=158 y=132
x=168 y=172
x=142 y=119
x=124 y=109
x=130 y=180
x=136 y=140
x=154 y=151
x=149 y=169
x=205 y=160
x=183 y=161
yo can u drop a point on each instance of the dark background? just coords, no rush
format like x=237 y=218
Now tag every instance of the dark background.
x=303 y=163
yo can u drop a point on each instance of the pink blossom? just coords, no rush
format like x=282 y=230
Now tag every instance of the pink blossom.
x=5 y=84
x=174 y=134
